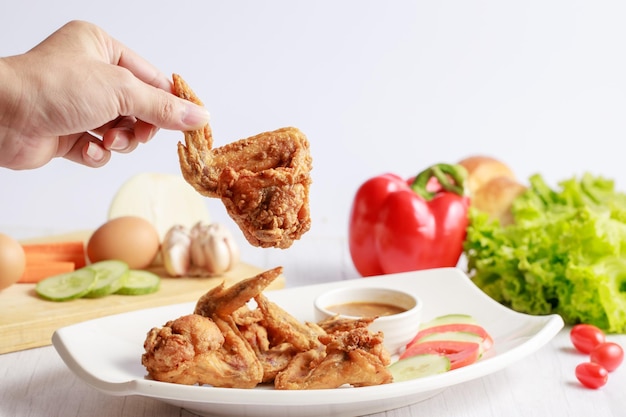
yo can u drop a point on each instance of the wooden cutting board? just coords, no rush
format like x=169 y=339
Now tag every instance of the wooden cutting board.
x=27 y=321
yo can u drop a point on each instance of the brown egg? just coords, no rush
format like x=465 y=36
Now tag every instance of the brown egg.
x=131 y=239
x=12 y=261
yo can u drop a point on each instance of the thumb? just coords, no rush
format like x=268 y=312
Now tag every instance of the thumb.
x=162 y=109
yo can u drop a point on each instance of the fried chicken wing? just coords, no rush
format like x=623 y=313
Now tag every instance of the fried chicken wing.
x=337 y=324
x=283 y=327
x=198 y=350
x=273 y=358
x=227 y=342
x=221 y=301
x=207 y=347
x=350 y=358
x=263 y=180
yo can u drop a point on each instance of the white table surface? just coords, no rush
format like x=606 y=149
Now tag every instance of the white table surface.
x=36 y=382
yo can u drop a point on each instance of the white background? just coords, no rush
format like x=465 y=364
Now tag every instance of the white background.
x=376 y=87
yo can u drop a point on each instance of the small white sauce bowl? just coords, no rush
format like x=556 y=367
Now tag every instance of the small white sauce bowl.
x=399 y=329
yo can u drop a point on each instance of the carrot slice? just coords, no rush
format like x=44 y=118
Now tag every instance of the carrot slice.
x=39 y=271
x=45 y=253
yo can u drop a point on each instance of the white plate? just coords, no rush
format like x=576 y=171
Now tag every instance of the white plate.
x=106 y=352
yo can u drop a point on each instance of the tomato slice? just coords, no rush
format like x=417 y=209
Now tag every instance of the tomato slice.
x=487 y=340
x=459 y=353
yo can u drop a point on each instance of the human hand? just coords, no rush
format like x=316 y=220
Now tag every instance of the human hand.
x=81 y=94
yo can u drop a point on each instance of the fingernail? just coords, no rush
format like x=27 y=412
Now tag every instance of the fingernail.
x=120 y=143
x=195 y=116
x=95 y=152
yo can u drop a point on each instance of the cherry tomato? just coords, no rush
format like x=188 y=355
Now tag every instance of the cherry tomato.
x=585 y=337
x=592 y=375
x=610 y=355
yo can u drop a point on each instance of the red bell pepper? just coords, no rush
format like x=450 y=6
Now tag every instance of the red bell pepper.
x=397 y=225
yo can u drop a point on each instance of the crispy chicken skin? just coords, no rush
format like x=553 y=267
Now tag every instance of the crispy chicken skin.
x=197 y=350
x=283 y=327
x=223 y=302
x=351 y=357
x=227 y=343
x=263 y=180
x=207 y=347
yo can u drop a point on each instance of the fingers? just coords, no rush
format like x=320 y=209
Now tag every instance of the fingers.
x=141 y=68
x=86 y=149
x=123 y=137
x=94 y=155
x=145 y=93
x=149 y=98
x=125 y=134
x=127 y=90
x=160 y=108
x=120 y=140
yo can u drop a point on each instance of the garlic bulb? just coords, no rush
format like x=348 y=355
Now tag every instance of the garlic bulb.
x=175 y=251
x=213 y=248
x=207 y=249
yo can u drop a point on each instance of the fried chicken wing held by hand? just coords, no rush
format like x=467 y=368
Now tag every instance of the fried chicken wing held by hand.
x=263 y=180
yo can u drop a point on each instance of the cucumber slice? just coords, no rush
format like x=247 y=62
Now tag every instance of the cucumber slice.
x=449 y=319
x=110 y=277
x=419 y=366
x=67 y=286
x=140 y=282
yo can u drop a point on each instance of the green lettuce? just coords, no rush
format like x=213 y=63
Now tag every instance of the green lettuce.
x=565 y=253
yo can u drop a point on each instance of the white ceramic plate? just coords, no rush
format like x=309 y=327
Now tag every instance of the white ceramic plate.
x=106 y=352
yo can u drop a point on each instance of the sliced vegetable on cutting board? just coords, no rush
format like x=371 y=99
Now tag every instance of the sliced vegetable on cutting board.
x=162 y=199
x=46 y=259
x=67 y=251
x=68 y=286
x=110 y=277
x=37 y=271
x=140 y=282
x=98 y=280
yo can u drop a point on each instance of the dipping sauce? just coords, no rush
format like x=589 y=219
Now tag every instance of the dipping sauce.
x=366 y=309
